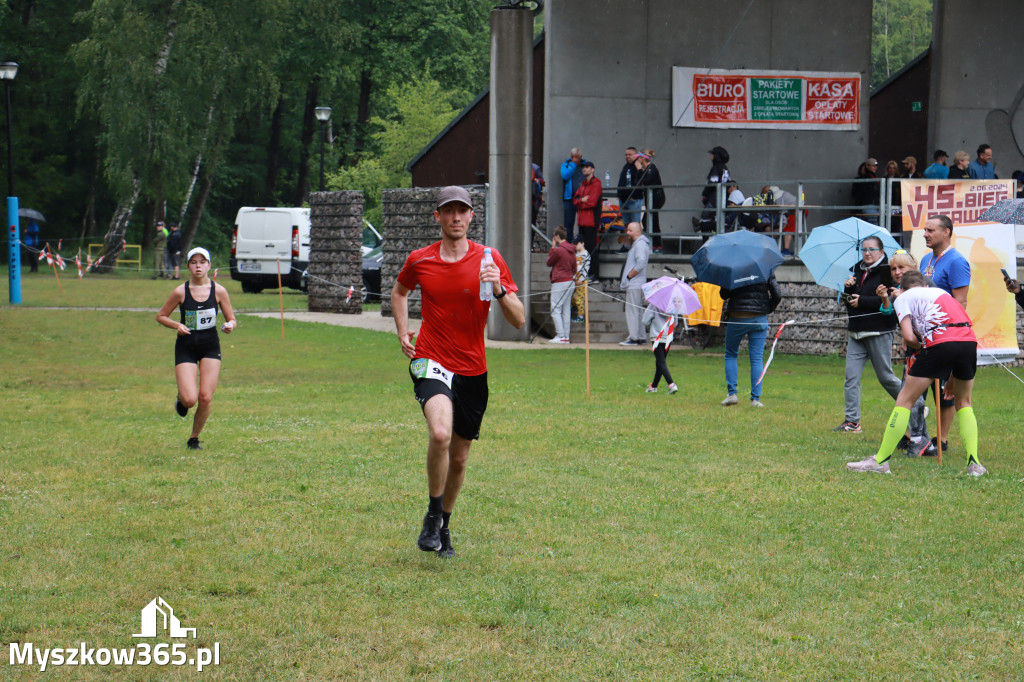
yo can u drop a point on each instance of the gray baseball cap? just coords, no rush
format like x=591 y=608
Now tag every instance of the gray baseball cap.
x=453 y=193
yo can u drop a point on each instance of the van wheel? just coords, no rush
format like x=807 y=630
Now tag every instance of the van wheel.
x=250 y=288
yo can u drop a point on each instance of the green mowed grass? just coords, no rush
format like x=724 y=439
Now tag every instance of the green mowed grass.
x=617 y=536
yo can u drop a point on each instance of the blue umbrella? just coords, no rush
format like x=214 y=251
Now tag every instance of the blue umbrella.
x=832 y=250
x=736 y=259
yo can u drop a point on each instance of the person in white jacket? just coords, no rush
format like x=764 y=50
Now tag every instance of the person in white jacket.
x=663 y=327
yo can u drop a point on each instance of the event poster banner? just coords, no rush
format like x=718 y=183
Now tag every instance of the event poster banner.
x=804 y=100
x=987 y=246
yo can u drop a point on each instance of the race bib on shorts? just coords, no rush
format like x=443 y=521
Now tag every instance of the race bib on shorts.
x=423 y=368
x=197 y=320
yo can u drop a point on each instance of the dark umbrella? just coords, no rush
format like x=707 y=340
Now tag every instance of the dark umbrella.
x=1007 y=211
x=32 y=214
x=736 y=259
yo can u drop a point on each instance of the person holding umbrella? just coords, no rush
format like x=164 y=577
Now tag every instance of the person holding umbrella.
x=743 y=264
x=31 y=243
x=870 y=335
x=663 y=326
x=747 y=310
x=668 y=297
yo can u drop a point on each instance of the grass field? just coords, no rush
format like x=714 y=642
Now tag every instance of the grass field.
x=618 y=537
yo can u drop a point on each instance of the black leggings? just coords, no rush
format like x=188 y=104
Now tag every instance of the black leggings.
x=660 y=366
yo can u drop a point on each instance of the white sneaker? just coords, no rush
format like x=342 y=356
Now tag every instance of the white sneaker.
x=869 y=466
x=756 y=403
x=975 y=469
x=672 y=388
x=730 y=400
x=559 y=339
x=651 y=389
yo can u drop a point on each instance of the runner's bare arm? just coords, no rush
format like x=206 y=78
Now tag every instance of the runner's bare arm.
x=176 y=298
x=224 y=301
x=960 y=294
x=513 y=310
x=400 y=309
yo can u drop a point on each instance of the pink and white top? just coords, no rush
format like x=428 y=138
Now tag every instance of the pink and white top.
x=935 y=314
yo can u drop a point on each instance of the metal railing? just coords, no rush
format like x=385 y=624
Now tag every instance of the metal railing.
x=800 y=210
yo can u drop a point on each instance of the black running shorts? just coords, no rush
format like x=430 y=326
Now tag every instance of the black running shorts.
x=193 y=348
x=468 y=396
x=937 y=362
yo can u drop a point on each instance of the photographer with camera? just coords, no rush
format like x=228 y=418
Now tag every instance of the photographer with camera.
x=870 y=334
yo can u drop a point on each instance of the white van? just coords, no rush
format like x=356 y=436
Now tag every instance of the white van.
x=264 y=236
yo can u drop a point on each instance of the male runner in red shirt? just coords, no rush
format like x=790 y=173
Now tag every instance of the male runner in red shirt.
x=449 y=367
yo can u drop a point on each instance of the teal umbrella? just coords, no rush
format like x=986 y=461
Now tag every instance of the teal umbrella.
x=832 y=250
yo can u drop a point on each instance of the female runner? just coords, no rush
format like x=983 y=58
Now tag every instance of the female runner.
x=197 y=350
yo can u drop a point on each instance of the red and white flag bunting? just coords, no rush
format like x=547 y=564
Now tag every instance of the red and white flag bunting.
x=772 y=354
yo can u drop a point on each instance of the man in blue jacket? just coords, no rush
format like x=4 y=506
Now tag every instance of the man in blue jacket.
x=572 y=178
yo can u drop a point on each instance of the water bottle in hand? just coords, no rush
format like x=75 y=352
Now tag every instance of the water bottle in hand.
x=486 y=288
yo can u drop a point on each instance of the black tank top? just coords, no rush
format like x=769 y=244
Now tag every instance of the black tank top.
x=200 y=316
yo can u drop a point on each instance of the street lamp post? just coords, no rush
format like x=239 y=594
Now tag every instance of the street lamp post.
x=323 y=114
x=8 y=70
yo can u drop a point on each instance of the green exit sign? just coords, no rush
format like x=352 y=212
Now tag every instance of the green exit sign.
x=915 y=106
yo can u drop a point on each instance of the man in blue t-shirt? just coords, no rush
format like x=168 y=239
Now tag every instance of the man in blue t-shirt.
x=938 y=170
x=951 y=272
x=945 y=265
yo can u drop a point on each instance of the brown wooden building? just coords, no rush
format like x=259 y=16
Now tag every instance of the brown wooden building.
x=459 y=153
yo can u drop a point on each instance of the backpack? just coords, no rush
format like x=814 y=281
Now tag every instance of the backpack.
x=765 y=219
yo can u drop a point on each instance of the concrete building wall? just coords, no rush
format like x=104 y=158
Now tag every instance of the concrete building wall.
x=609 y=70
x=977 y=83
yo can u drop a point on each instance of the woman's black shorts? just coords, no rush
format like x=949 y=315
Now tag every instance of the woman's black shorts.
x=195 y=347
x=937 y=362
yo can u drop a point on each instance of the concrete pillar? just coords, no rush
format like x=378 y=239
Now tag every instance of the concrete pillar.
x=509 y=161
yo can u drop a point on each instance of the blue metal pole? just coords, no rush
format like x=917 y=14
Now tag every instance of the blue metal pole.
x=14 y=233
x=14 y=242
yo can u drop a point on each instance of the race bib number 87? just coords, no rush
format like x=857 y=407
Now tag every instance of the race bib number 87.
x=200 y=319
x=423 y=368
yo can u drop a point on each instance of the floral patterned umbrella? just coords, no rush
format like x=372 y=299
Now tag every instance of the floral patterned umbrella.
x=1007 y=211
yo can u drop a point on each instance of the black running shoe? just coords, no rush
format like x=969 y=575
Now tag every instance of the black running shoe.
x=945 y=444
x=430 y=536
x=446 y=551
x=904 y=443
x=179 y=408
x=193 y=444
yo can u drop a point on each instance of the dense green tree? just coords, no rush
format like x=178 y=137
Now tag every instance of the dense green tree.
x=167 y=80
x=901 y=30
x=54 y=163
x=418 y=111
